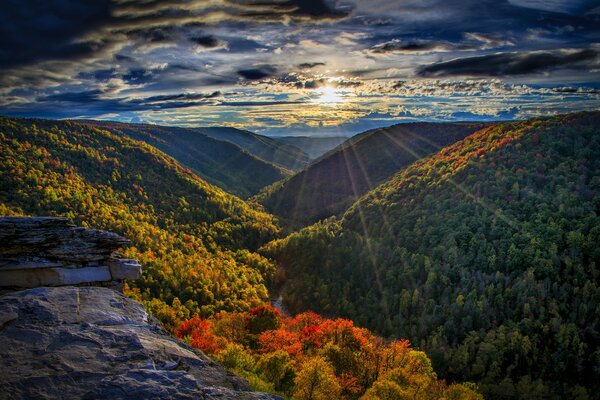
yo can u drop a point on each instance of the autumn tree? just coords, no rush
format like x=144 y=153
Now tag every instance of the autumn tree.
x=316 y=381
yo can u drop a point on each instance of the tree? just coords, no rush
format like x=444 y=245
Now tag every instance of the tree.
x=316 y=381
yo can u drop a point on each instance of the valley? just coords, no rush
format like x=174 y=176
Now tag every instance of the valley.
x=475 y=242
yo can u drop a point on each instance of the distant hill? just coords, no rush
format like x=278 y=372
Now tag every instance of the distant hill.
x=485 y=255
x=195 y=241
x=313 y=146
x=275 y=151
x=220 y=162
x=335 y=181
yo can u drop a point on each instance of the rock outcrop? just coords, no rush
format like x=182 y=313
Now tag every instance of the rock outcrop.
x=51 y=251
x=94 y=343
x=89 y=342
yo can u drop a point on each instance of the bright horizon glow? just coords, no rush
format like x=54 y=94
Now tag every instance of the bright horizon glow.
x=329 y=96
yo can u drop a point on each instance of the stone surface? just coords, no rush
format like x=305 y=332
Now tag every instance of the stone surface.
x=51 y=251
x=94 y=343
x=55 y=238
x=30 y=278
x=124 y=269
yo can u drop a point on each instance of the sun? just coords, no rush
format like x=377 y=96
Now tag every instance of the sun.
x=329 y=96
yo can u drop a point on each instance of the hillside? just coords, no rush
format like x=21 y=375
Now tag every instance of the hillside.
x=335 y=181
x=195 y=240
x=200 y=277
x=314 y=146
x=272 y=150
x=485 y=255
x=219 y=162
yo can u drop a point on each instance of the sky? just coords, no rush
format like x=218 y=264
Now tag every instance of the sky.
x=298 y=67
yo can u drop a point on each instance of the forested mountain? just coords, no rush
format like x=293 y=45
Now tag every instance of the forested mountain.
x=202 y=277
x=335 y=181
x=314 y=146
x=219 y=162
x=277 y=152
x=485 y=255
x=195 y=241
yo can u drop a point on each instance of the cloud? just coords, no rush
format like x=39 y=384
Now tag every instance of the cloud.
x=559 y=6
x=257 y=73
x=296 y=80
x=37 y=30
x=297 y=9
x=576 y=90
x=471 y=41
x=94 y=102
x=31 y=31
x=419 y=46
x=181 y=96
x=311 y=65
x=506 y=64
x=208 y=41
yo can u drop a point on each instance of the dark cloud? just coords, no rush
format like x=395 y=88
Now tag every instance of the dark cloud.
x=138 y=75
x=101 y=75
x=158 y=35
x=35 y=30
x=505 y=64
x=181 y=96
x=93 y=102
x=299 y=9
x=561 y=6
x=469 y=42
x=262 y=72
x=72 y=97
x=420 y=46
x=576 y=90
x=208 y=41
x=311 y=65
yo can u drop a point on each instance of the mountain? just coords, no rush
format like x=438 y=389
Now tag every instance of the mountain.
x=485 y=255
x=339 y=178
x=272 y=150
x=313 y=146
x=196 y=242
x=221 y=163
x=93 y=342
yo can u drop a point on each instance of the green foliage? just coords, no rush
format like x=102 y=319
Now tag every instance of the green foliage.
x=219 y=162
x=485 y=255
x=195 y=241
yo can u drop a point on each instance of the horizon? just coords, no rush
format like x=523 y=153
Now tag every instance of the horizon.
x=299 y=68
x=290 y=134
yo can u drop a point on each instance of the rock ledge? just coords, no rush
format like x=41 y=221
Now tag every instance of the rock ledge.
x=94 y=343
x=51 y=251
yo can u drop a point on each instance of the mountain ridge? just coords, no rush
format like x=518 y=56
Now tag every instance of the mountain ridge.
x=269 y=149
x=338 y=178
x=477 y=253
x=220 y=162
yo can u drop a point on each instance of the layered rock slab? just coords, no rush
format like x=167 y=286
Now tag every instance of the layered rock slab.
x=52 y=251
x=94 y=343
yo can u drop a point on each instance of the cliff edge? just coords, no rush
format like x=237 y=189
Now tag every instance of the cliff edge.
x=89 y=342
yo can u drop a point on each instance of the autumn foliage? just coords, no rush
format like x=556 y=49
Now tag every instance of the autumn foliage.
x=311 y=357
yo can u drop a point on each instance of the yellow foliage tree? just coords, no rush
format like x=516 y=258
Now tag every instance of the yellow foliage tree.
x=316 y=381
